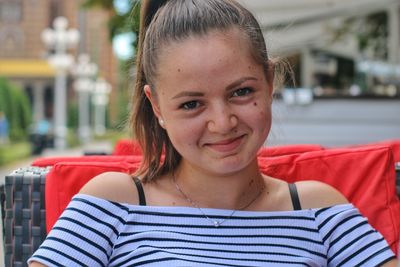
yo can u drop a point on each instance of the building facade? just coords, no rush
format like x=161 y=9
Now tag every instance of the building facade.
x=23 y=55
x=304 y=31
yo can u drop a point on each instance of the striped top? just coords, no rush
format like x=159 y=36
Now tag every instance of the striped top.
x=98 y=232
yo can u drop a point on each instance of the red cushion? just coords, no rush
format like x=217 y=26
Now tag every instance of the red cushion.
x=275 y=151
x=365 y=175
x=127 y=147
x=65 y=179
x=50 y=161
x=394 y=145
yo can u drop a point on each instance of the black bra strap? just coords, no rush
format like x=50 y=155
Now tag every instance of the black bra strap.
x=295 y=196
x=142 y=198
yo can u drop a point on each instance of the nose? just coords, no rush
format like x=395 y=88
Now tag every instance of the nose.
x=222 y=120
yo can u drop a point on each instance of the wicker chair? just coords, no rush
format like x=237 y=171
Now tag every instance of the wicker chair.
x=23 y=209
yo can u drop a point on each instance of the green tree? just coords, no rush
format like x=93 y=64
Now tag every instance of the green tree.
x=124 y=22
x=371 y=32
x=15 y=105
x=119 y=22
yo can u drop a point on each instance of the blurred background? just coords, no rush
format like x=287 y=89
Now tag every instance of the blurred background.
x=67 y=72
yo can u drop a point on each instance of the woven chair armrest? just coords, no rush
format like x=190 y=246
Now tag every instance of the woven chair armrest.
x=23 y=206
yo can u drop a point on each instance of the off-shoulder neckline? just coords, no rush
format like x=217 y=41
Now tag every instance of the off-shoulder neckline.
x=182 y=209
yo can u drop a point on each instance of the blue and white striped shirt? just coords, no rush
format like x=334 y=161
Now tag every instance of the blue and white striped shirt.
x=98 y=232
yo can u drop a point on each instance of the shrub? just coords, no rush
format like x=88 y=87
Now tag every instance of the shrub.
x=15 y=105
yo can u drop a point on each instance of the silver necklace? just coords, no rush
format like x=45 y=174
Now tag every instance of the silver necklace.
x=215 y=223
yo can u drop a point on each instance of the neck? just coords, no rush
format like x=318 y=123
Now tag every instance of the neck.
x=228 y=191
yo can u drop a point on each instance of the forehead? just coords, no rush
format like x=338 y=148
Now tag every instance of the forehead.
x=217 y=52
x=232 y=38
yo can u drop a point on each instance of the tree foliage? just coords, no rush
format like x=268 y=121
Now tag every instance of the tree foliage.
x=119 y=22
x=370 y=31
x=106 y=4
x=15 y=105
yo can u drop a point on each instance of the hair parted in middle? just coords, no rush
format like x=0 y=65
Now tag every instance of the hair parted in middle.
x=163 y=22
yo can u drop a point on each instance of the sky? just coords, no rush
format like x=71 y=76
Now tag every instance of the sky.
x=122 y=43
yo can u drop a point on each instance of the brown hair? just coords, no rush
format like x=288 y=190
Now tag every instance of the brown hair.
x=167 y=21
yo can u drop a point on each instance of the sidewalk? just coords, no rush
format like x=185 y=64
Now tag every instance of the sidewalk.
x=96 y=146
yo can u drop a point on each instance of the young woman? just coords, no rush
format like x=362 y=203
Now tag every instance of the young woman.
x=202 y=111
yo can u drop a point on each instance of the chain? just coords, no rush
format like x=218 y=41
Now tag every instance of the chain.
x=214 y=222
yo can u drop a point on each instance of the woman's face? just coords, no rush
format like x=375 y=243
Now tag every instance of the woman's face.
x=215 y=101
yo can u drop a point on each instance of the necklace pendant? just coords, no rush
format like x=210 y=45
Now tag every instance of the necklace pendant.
x=216 y=224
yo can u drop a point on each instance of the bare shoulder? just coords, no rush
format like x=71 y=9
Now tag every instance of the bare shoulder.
x=315 y=194
x=36 y=264
x=114 y=186
x=392 y=263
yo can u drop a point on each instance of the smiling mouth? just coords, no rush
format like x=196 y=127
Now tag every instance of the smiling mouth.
x=226 y=145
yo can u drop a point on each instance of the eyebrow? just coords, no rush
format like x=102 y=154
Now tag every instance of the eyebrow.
x=229 y=87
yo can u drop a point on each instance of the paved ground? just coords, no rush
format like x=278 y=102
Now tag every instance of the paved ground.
x=336 y=122
x=103 y=146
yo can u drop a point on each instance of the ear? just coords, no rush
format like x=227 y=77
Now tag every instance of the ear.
x=153 y=100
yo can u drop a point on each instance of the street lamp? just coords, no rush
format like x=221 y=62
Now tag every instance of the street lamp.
x=84 y=72
x=100 y=101
x=60 y=39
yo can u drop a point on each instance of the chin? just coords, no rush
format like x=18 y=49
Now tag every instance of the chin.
x=228 y=166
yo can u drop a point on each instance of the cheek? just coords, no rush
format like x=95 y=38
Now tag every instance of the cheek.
x=260 y=115
x=260 y=107
x=184 y=136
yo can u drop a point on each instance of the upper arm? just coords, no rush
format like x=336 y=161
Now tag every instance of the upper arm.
x=314 y=194
x=113 y=186
x=392 y=263
x=89 y=223
x=36 y=264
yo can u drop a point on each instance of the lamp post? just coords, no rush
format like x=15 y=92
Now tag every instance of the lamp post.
x=84 y=72
x=60 y=39
x=100 y=101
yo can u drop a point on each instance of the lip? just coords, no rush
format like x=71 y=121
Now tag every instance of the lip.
x=227 y=145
